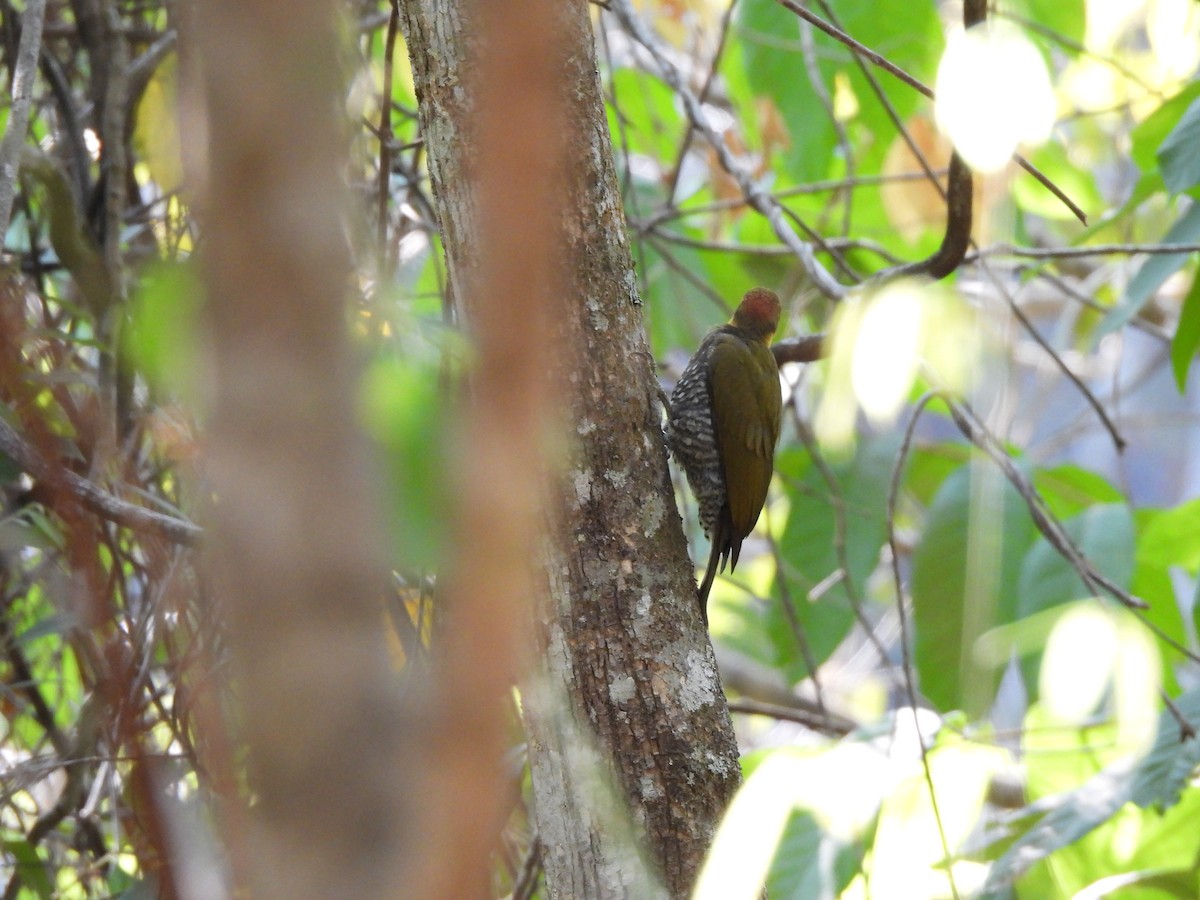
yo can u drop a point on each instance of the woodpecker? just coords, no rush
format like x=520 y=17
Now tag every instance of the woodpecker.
x=723 y=426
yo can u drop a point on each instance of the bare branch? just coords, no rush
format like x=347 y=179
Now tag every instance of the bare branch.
x=817 y=719
x=18 y=114
x=94 y=498
x=957 y=238
x=905 y=653
x=976 y=432
x=756 y=195
x=1082 y=252
x=915 y=83
x=804 y=349
x=1059 y=362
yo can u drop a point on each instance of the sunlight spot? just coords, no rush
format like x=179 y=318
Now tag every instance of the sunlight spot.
x=993 y=93
x=1093 y=652
x=882 y=342
x=1079 y=660
x=886 y=352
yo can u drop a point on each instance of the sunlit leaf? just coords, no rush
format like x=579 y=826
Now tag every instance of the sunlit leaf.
x=34 y=874
x=402 y=408
x=157 y=126
x=1103 y=533
x=1155 y=782
x=909 y=855
x=164 y=337
x=810 y=557
x=1186 y=341
x=969 y=557
x=1148 y=135
x=1179 y=155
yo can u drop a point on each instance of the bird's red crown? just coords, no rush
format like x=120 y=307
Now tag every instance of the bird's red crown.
x=758 y=312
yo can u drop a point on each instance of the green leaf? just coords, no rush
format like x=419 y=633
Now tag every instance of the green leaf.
x=1155 y=271
x=1158 y=781
x=809 y=555
x=678 y=313
x=1167 y=540
x=401 y=407
x=774 y=69
x=1148 y=136
x=976 y=519
x=163 y=333
x=1105 y=536
x=1167 y=769
x=1187 y=336
x=909 y=34
x=648 y=116
x=1179 y=155
x=929 y=467
x=1064 y=17
x=34 y=875
x=1170 y=537
x=1068 y=489
x=809 y=862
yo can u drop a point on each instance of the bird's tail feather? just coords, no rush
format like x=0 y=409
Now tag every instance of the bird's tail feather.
x=716 y=560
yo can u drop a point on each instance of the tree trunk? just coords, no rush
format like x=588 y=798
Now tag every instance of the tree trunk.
x=295 y=543
x=628 y=692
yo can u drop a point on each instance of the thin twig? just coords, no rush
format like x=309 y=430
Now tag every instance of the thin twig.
x=823 y=721
x=905 y=656
x=1109 y=426
x=1187 y=731
x=101 y=502
x=531 y=869
x=18 y=114
x=894 y=70
x=74 y=147
x=756 y=195
x=816 y=80
x=976 y=432
x=832 y=185
x=888 y=108
x=1044 y=181
x=789 y=611
x=714 y=64
x=142 y=69
x=385 y=141
x=1081 y=252
x=838 y=244
x=685 y=272
x=841 y=525
x=862 y=49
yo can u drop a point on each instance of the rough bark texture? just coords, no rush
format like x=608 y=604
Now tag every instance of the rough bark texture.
x=630 y=694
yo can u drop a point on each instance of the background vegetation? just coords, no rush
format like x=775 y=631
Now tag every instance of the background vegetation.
x=962 y=648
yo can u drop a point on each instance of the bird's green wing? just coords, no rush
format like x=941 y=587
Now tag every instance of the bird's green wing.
x=746 y=412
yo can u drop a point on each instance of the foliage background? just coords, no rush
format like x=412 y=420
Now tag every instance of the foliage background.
x=1044 y=759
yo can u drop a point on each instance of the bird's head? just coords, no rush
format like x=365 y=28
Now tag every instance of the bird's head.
x=758 y=313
